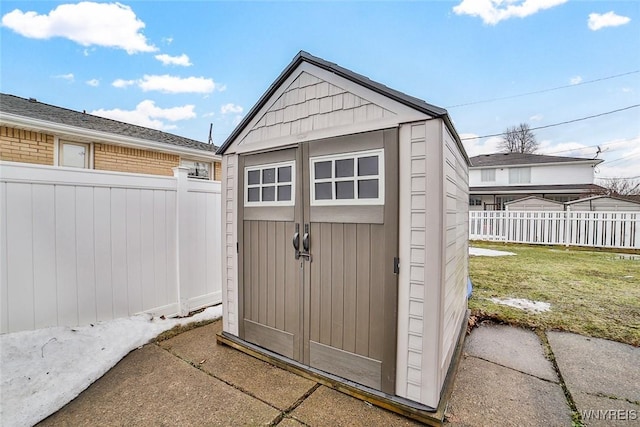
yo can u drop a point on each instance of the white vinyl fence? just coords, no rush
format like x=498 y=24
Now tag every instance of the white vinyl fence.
x=82 y=246
x=595 y=229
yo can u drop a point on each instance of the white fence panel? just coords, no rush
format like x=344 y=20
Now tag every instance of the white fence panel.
x=81 y=246
x=593 y=229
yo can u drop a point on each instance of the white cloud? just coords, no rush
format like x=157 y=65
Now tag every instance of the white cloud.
x=93 y=82
x=169 y=84
x=566 y=149
x=237 y=119
x=221 y=88
x=182 y=60
x=598 y=21
x=120 y=83
x=68 y=77
x=231 y=108
x=174 y=84
x=536 y=117
x=147 y=114
x=475 y=146
x=575 y=80
x=493 y=11
x=86 y=23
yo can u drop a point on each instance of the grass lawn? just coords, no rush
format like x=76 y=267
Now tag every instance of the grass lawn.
x=594 y=293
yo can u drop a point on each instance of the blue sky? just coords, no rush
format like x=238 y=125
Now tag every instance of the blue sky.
x=179 y=66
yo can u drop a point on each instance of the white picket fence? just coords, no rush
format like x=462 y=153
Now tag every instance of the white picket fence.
x=82 y=246
x=594 y=229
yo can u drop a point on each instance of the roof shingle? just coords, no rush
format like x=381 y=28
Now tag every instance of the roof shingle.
x=31 y=108
x=513 y=159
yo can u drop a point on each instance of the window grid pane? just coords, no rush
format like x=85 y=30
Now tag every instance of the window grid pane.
x=270 y=185
x=335 y=179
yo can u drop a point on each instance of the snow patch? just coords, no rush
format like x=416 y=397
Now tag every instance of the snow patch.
x=523 y=304
x=487 y=252
x=43 y=370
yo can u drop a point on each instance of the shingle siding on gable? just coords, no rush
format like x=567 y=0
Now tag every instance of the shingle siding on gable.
x=25 y=146
x=311 y=104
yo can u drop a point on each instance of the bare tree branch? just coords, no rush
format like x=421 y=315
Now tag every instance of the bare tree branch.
x=519 y=139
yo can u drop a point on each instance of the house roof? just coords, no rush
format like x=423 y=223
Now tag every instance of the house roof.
x=539 y=189
x=393 y=94
x=518 y=159
x=31 y=108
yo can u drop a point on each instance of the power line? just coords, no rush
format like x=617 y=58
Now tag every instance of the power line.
x=604 y=144
x=558 y=124
x=620 y=159
x=544 y=90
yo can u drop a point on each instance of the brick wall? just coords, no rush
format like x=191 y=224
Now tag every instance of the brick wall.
x=25 y=146
x=124 y=159
x=217 y=171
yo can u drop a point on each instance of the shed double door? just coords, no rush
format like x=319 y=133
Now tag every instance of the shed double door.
x=318 y=246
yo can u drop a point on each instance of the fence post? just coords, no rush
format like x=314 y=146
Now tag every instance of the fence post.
x=181 y=175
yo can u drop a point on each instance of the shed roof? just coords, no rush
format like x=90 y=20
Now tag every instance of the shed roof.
x=364 y=81
x=536 y=198
x=31 y=108
x=604 y=196
x=519 y=159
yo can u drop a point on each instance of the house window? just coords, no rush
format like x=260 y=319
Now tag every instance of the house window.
x=200 y=170
x=270 y=185
x=519 y=175
x=348 y=179
x=73 y=154
x=475 y=201
x=487 y=175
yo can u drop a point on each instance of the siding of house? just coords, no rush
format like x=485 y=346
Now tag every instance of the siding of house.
x=25 y=146
x=125 y=159
x=562 y=173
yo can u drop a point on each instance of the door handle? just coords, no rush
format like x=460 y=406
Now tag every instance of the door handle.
x=305 y=244
x=305 y=238
x=296 y=241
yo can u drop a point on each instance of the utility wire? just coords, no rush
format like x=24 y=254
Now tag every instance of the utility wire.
x=543 y=90
x=604 y=144
x=558 y=124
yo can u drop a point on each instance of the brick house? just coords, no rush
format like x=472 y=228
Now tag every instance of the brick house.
x=34 y=132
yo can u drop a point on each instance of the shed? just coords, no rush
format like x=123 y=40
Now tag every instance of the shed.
x=534 y=203
x=604 y=203
x=345 y=236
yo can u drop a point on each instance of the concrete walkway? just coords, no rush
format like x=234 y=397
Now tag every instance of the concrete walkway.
x=504 y=379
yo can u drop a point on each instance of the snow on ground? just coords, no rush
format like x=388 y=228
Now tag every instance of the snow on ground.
x=487 y=252
x=523 y=304
x=43 y=370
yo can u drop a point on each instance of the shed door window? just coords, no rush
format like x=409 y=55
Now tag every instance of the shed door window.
x=74 y=154
x=270 y=185
x=348 y=179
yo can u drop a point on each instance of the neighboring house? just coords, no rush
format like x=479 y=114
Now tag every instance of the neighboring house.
x=34 y=132
x=603 y=203
x=495 y=179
